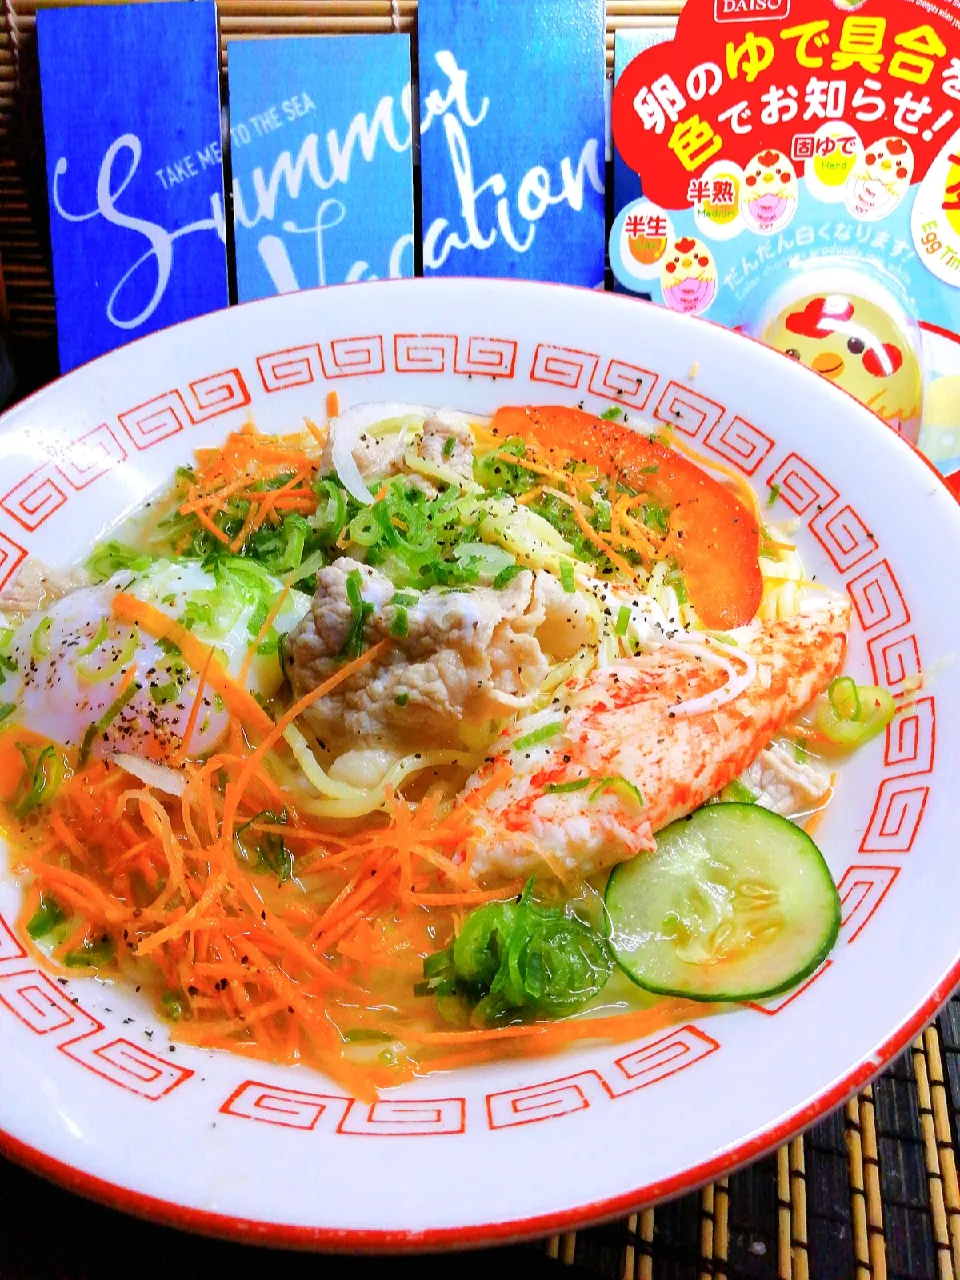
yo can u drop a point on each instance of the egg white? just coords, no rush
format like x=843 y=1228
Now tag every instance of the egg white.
x=71 y=658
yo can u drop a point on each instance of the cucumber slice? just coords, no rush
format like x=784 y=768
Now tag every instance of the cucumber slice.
x=736 y=903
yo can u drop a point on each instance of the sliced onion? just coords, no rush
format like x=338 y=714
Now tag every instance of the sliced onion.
x=345 y=436
x=161 y=777
x=720 y=655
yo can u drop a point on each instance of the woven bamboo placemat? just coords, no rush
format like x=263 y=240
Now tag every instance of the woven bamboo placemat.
x=871 y=1192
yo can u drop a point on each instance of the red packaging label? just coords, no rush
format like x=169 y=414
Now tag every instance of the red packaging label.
x=749 y=76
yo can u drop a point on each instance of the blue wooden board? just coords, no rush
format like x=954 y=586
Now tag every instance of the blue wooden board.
x=321 y=155
x=131 y=115
x=626 y=45
x=512 y=138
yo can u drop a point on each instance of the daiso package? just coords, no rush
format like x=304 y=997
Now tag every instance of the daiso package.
x=800 y=170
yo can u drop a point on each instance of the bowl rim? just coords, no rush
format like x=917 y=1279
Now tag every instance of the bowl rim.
x=206 y=1222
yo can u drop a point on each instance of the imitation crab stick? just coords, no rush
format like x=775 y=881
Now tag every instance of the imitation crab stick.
x=713 y=537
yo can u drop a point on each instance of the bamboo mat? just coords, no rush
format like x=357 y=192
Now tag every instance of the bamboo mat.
x=871 y=1192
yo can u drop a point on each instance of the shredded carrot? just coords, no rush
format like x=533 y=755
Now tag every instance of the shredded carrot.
x=258 y=928
x=194 y=715
x=333 y=404
x=127 y=608
x=261 y=635
x=315 y=431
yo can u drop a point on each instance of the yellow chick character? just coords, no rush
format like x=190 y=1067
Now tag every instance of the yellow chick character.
x=858 y=346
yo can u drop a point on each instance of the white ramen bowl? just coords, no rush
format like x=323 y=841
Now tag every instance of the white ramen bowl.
x=220 y=1143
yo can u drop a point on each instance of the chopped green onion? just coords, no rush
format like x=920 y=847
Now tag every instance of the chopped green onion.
x=46 y=917
x=773 y=495
x=736 y=792
x=365 y=1035
x=40 y=644
x=613 y=414
x=404 y=598
x=448 y=446
x=626 y=789
x=515 y=957
x=353 y=645
x=566 y=575
x=46 y=777
x=844 y=698
x=401 y=699
x=623 y=621
x=99 y=636
x=561 y=788
x=175 y=1006
x=161 y=694
x=656 y=518
x=122 y=657
x=6 y=710
x=108 y=558
x=365 y=529
x=7 y=663
x=853 y=714
x=399 y=625
x=534 y=739
x=506 y=575
x=106 y=720
x=91 y=955
x=675 y=580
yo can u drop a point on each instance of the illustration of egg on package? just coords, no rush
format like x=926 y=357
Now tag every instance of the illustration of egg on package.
x=804 y=166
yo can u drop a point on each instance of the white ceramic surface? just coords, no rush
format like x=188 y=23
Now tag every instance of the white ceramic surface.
x=237 y=1147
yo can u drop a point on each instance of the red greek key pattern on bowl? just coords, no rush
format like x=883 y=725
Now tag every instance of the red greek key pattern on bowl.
x=45 y=1008
x=772 y=1007
x=12 y=556
x=34 y=499
x=155 y=420
x=424 y=352
x=90 y=456
x=10 y=948
x=678 y=1049
x=563 y=366
x=128 y=1065
x=547 y=1101
x=290 y=1108
x=294 y=367
x=330 y=1113
x=741 y=443
x=351 y=357
x=896 y=816
x=861 y=890
x=447 y=353
x=894 y=658
x=687 y=410
x=494 y=357
x=877 y=598
x=801 y=486
x=624 y=383
x=218 y=393
x=911 y=739
x=844 y=537
x=40 y=1005
x=404 y=1117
